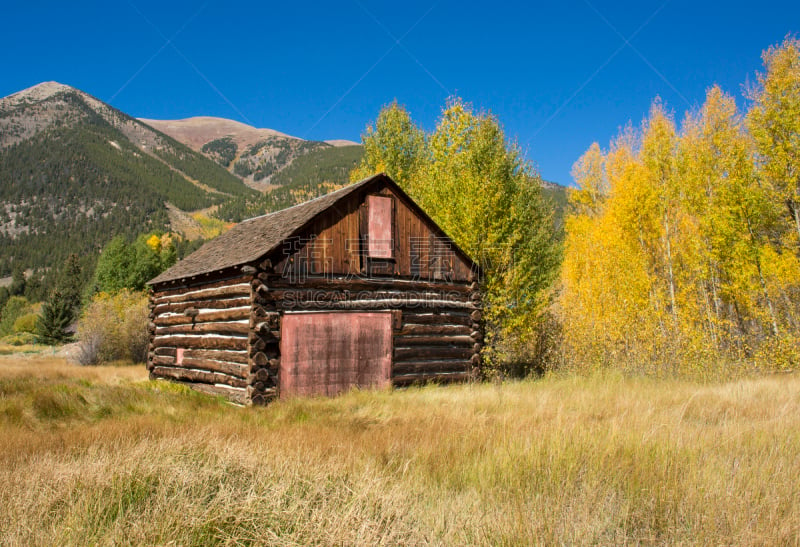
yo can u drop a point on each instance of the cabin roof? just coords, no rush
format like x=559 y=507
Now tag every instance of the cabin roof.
x=256 y=237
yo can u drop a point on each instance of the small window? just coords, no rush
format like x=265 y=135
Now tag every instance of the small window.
x=380 y=227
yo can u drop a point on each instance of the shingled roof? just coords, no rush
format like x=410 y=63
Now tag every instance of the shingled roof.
x=253 y=238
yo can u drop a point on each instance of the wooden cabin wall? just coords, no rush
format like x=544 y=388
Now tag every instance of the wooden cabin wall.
x=199 y=335
x=229 y=331
x=441 y=345
x=265 y=335
x=339 y=248
x=437 y=333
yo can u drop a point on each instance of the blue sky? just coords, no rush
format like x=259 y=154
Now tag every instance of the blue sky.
x=558 y=75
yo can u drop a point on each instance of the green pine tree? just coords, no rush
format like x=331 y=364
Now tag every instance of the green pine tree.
x=17 y=287
x=57 y=315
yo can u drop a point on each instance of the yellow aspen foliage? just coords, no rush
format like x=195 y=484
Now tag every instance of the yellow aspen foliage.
x=393 y=145
x=678 y=254
x=774 y=123
x=154 y=242
x=589 y=175
x=167 y=240
x=477 y=186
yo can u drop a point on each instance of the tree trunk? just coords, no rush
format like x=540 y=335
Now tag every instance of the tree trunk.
x=767 y=298
x=796 y=213
x=761 y=280
x=670 y=275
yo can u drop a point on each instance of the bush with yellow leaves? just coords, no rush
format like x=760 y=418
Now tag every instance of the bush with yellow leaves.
x=114 y=328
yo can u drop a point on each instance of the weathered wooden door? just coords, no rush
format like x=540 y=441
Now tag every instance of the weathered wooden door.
x=328 y=353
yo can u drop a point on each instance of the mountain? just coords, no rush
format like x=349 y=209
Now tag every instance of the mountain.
x=254 y=155
x=75 y=171
x=286 y=169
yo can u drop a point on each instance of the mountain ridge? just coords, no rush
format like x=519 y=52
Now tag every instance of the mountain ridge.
x=254 y=155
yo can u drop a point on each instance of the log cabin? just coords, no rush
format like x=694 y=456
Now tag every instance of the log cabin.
x=357 y=288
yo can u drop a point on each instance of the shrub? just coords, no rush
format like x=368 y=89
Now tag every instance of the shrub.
x=19 y=339
x=26 y=323
x=113 y=328
x=16 y=307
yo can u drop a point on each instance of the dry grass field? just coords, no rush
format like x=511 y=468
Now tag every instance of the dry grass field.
x=102 y=456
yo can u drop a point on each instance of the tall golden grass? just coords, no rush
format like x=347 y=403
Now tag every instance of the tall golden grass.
x=103 y=456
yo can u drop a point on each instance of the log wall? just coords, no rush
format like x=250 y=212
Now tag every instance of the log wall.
x=437 y=333
x=199 y=335
x=223 y=337
x=265 y=336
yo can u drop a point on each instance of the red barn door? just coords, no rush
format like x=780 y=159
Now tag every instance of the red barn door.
x=330 y=352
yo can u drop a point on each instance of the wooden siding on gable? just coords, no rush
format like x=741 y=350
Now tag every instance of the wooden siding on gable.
x=330 y=246
x=336 y=244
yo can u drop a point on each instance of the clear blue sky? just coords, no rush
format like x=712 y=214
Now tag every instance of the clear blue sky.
x=558 y=75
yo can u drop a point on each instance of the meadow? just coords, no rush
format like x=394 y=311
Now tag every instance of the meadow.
x=101 y=455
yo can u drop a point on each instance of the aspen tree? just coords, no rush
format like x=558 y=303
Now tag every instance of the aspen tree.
x=476 y=185
x=658 y=162
x=774 y=122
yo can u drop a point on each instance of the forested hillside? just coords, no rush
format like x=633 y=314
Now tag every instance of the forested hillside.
x=75 y=172
x=310 y=175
